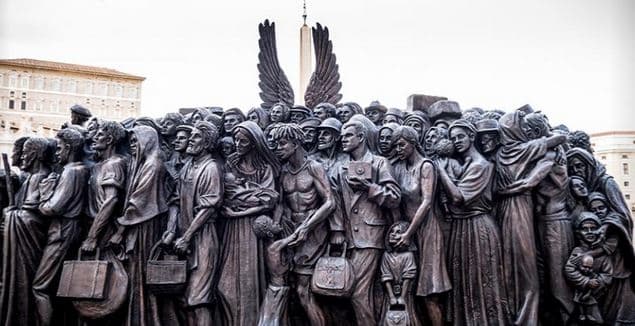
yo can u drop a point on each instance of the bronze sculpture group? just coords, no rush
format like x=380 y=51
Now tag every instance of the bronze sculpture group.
x=322 y=214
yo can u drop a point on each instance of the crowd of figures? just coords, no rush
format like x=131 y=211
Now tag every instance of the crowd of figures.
x=445 y=216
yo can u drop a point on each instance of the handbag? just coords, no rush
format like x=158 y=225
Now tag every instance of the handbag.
x=397 y=316
x=84 y=279
x=167 y=275
x=333 y=276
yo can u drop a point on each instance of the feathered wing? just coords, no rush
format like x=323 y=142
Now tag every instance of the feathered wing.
x=325 y=84
x=274 y=85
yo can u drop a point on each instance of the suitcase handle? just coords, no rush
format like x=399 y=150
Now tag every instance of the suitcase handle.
x=97 y=254
x=156 y=250
x=344 y=247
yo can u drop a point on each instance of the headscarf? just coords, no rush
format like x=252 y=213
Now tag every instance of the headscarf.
x=371 y=131
x=263 y=116
x=516 y=148
x=596 y=172
x=263 y=155
x=146 y=196
x=619 y=221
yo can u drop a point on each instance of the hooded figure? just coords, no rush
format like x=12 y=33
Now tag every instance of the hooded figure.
x=142 y=224
x=259 y=116
x=582 y=164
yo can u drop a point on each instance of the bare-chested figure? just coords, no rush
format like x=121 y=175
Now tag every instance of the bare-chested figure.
x=307 y=200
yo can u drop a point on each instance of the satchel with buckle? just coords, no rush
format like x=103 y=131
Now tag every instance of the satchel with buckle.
x=167 y=275
x=397 y=316
x=333 y=276
x=84 y=279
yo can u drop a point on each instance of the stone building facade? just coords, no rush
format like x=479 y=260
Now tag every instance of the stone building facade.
x=35 y=96
x=616 y=150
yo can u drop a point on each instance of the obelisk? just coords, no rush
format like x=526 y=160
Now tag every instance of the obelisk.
x=306 y=62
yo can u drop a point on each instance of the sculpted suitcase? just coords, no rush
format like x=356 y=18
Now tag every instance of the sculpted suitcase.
x=167 y=275
x=83 y=279
x=397 y=316
x=333 y=276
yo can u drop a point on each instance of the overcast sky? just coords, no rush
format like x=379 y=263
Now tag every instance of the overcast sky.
x=569 y=58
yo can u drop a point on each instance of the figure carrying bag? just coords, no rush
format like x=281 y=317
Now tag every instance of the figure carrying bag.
x=84 y=279
x=333 y=276
x=167 y=275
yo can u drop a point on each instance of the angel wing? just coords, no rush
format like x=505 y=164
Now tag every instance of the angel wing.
x=274 y=85
x=324 y=85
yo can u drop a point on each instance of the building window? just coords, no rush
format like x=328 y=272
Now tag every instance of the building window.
x=103 y=89
x=11 y=104
x=603 y=157
x=72 y=86
x=23 y=95
x=12 y=93
x=1 y=80
x=625 y=168
x=39 y=83
x=118 y=91
x=23 y=105
x=13 y=81
x=89 y=88
x=628 y=196
x=55 y=85
x=624 y=156
x=24 y=82
x=626 y=183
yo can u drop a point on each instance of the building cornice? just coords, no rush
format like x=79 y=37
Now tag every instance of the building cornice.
x=68 y=67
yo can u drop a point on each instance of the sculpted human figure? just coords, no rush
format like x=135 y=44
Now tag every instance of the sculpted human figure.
x=307 y=202
x=199 y=114
x=231 y=118
x=309 y=127
x=328 y=152
x=345 y=111
x=431 y=139
x=169 y=125
x=298 y=113
x=25 y=234
x=279 y=113
x=618 y=305
x=583 y=164
x=324 y=111
x=589 y=275
x=260 y=116
x=417 y=177
x=385 y=140
x=474 y=253
x=372 y=132
x=393 y=115
x=364 y=223
x=179 y=153
x=487 y=138
x=79 y=116
x=375 y=112
x=250 y=191
x=227 y=147
x=62 y=199
x=193 y=213
x=554 y=228
x=515 y=211
x=106 y=186
x=578 y=196
x=419 y=121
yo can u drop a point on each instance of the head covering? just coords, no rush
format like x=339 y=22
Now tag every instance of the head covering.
x=80 y=110
x=263 y=154
x=375 y=105
x=462 y=123
x=331 y=123
x=371 y=131
x=587 y=216
x=595 y=170
x=310 y=122
x=301 y=109
x=444 y=109
x=263 y=116
x=146 y=196
x=486 y=125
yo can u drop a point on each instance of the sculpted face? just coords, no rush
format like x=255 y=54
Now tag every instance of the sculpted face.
x=320 y=113
x=62 y=151
x=102 y=140
x=285 y=148
x=598 y=208
x=297 y=117
x=196 y=117
x=230 y=121
x=403 y=148
x=488 y=142
x=326 y=139
x=461 y=139
x=394 y=233
x=385 y=140
x=227 y=148
x=77 y=119
x=351 y=139
x=92 y=128
x=181 y=140
x=577 y=167
x=134 y=144
x=196 y=143
x=253 y=117
x=531 y=133
x=242 y=142
x=16 y=155
x=310 y=135
x=277 y=113
x=589 y=231
x=416 y=125
x=432 y=138
x=579 y=189
x=344 y=114
x=375 y=116
x=168 y=127
x=29 y=155
x=390 y=118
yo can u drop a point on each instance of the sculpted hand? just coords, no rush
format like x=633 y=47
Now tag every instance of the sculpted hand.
x=394 y=301
x=299 y=236
x=358 y=183
x=89 y=245
x=337 y=238
x=594 y=284
x=7 y=209
x=442 y=162
x=116 y=239
x=404 y=240
x=168 y=238
x=181 y=245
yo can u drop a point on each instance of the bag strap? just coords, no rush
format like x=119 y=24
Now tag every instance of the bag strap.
x=344 y=248
x=156 y=250
x=97 y=253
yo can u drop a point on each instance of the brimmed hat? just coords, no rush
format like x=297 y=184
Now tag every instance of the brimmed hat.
x=310 y=122
x=375 y=105
x=301 y=109
x=395 y=112
x=78 y=109
x=486 y=125
x=331 y=123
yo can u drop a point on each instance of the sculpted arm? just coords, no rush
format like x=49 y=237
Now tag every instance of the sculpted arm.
x=102 y=218
x=428 y=178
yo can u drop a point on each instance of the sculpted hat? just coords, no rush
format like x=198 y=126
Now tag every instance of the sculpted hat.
x=486 y=125
x=375 y=105
x=331 y=123
x=312 y=122
x=78 y=109
x=301 y=109
x=395 y=112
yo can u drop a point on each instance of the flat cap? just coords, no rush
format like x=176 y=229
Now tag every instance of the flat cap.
x=78 y=109
x=375 y=105
x=486 y=125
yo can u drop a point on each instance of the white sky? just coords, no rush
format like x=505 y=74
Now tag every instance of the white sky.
x=569 y=58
